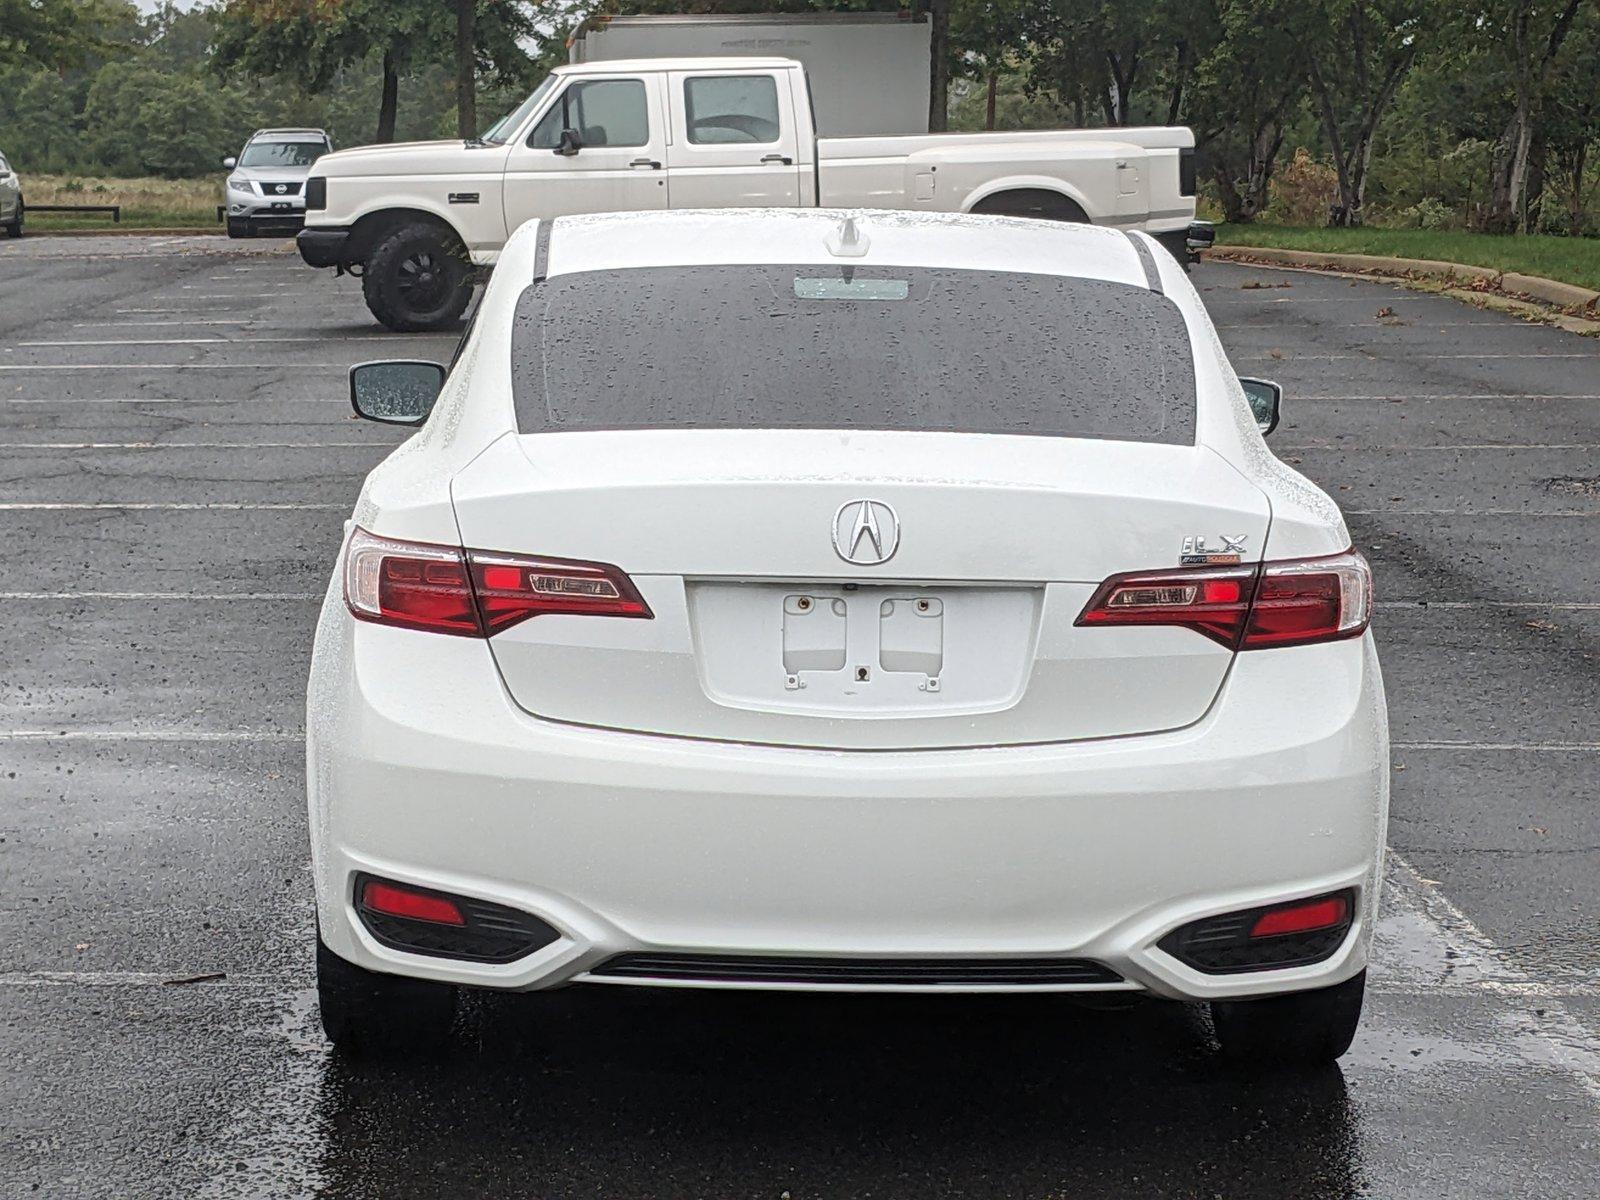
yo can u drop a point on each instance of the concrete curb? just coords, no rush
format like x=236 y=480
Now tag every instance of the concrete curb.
x=1549 y=291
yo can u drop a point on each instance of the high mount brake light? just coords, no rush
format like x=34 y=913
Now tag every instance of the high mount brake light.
x=1288 y=603
x=475 y=593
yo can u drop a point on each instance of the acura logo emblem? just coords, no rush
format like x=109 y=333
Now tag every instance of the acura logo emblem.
x=866 y=532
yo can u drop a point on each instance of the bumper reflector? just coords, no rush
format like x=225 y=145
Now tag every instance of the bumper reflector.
x=1274 y=937
x=422 y=921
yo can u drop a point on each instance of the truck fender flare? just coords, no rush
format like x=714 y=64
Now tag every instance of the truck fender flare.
x=1031 y=183
x=370 y=227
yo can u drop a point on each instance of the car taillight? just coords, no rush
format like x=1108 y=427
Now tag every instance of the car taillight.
x=475 y=593
x=512 y=588
x=1288 y=603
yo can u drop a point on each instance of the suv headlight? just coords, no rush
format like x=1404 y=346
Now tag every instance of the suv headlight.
x=236 y=184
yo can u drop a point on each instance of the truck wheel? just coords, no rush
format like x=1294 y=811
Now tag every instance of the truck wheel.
x=1302 y=1029
x=14 y=226
x=369 y=1015
x=417 y=279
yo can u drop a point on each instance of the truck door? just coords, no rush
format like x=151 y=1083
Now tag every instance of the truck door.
x=614 y=159
x=733 y=140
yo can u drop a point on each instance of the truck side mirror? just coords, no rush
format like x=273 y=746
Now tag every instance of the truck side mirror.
x=230 y=162
x=569 y=144
x=395 y=393
x=1265 y=398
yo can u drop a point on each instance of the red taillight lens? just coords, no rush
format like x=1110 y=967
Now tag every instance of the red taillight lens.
x=1214 y=601
x=512 y=588
x=1289 y=603
x=475 y=593
x=394 y=900
x=1310 y=600
x=415 y=585
x=1304 y=917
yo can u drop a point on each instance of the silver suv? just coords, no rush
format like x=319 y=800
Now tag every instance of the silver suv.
x=267 y=189
x=10 y=199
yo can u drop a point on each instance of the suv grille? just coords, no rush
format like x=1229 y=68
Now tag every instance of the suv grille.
x=285 y=188
x=929 y=972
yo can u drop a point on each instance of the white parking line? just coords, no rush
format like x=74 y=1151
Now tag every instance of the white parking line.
x=1289 y=356
x=143 y=506
x=1470 y=512
x=1553 y=1037
x=267 y=366
x=193 y=445
x=187 y=321
x=152 y=735
x=1499 y=747
x=173 y=400
x=258 y=597
x=196 y=979
x=1538 y=605
x=1411 y=398
x=1473 y=446
x=206 y=341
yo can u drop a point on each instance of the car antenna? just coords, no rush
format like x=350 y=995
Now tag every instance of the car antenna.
x=848 y=241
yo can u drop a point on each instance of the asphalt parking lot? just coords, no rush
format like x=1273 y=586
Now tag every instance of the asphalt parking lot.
x=176 y=461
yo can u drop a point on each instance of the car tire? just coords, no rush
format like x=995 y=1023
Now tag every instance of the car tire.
x=417 y=279
x=238 y=227
x=370 y=1015
x=1301 y=1029
x=14 y=226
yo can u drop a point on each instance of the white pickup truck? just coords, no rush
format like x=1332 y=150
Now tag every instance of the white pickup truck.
x=417 y=222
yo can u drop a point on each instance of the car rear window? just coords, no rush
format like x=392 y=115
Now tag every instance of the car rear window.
x=851 y=347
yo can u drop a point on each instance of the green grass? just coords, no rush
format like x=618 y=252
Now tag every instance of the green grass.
x=1571 y=260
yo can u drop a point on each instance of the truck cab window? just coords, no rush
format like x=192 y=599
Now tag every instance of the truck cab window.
x=605 y=112
x=721 y=109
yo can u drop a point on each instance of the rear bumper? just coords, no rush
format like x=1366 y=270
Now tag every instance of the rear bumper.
x=628 y=843
x=322 y=247
x=1188 y=243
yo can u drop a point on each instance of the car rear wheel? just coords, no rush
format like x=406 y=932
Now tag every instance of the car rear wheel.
x=417 y=279
x=14 y=226
x=369 y=1015
x=1297 y=1030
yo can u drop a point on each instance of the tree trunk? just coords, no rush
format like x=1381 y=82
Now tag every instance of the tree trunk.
x=466 y=68
x=988 y=112
x=1575 y=214
x=1533 y=188
x=390 y=100
x=1342 y=212
x=938 y=66
x=1180 y=78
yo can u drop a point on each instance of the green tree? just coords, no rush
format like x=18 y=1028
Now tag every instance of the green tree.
x=1357 y=56
x=1243 y=98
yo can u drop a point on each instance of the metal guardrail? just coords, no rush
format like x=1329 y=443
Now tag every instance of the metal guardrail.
x=114 y=209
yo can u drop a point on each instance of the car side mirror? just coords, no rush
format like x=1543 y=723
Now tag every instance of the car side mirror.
x=1265 y=397
x=569 y=144
x=230 y=162
x=401 y=392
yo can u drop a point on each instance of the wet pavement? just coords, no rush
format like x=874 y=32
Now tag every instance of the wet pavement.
x=176 y=462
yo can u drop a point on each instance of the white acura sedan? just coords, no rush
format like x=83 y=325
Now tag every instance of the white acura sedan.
x=855 y=602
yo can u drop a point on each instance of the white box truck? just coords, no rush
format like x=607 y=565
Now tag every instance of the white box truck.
x=868 y=71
